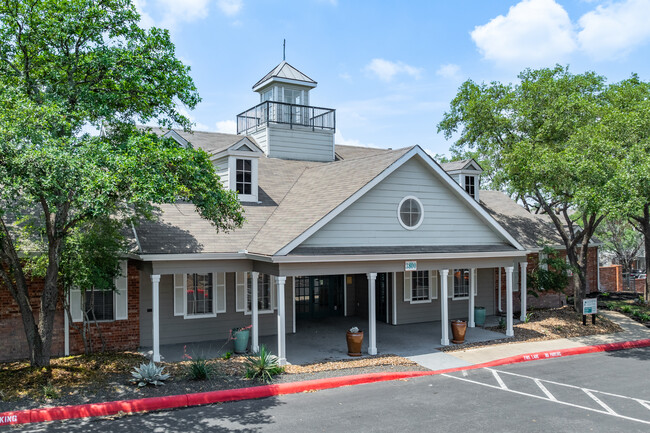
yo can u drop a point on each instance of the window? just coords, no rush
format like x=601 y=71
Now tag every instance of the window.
x=461 y=283
x=420 y=286
x=410 y=213
x=100 y=304
x=199 y=293
x=265 y=293
x=244 y=175
x=470 y=185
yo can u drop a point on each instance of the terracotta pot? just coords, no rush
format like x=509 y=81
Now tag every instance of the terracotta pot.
x=458 y=329
x=354 y=339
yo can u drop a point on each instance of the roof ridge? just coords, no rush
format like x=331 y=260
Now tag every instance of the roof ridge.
x=329 y=164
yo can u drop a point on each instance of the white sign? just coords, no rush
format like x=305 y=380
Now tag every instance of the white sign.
x=411 y=266
x=589 y=306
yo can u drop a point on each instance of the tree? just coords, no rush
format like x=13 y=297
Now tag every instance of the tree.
x=65 y=65
x=541 y=137
x=620 y=239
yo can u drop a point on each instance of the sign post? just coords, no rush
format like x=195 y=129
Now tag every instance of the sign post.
x=589 y=306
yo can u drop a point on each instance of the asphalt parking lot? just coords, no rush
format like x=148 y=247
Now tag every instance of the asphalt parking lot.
x=596 y=392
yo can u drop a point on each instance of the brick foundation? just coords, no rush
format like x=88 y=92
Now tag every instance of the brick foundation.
x=118 y=335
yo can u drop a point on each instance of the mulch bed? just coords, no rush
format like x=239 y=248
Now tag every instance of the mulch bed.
x=107 y=376
x=547 y=324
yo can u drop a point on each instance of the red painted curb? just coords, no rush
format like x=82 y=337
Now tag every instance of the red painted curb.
x=184 y=400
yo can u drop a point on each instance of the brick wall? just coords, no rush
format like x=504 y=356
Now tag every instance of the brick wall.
x=119 y=335
x=611 y=278
x=548 y=299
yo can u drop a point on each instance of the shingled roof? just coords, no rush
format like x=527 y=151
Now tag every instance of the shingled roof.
x=288 y=72
x=530 y=230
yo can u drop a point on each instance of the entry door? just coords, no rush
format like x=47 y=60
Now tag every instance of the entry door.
x=318 y=297
x=383 y=290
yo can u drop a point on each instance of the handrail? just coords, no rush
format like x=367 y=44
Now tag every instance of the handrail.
x=285 y=113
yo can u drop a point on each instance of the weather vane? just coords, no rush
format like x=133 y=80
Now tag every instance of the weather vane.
x=284 y=49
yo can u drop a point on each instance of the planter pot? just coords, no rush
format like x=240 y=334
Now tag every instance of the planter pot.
x=241 y=339
x=479 y=316
x=458 y=329
x=354 y=339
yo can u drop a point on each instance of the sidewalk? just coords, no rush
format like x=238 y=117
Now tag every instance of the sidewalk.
x=632 y=330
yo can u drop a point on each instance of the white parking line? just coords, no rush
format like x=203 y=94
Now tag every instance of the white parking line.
x=550 y=397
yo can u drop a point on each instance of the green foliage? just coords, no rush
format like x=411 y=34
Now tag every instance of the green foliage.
x=626 y=308
x=67 y=65
x=50 y=391
x=262 y=366
x=549 y=275
x=528 y=317
x=199 y=369
x=226 y=356
x=620 y=238
x=149 y=374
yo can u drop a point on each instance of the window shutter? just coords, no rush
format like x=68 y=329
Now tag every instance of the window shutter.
x=75 y=305
x=407 y=286
x=433 y=285
x=240 y=304
x=274 y=297
x=450 y=283
x=180 y=283
x=220 y=292
x=122 y=293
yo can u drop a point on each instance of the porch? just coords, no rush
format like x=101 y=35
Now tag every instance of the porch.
x=324 y=340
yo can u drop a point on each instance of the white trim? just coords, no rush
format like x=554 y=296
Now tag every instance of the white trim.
x=214 y=298
x=155 y=301
x=232 y=177
x=509 y=329
x=444 y=308
x=176 y=137
x=234 y=150
x=248 y=312
x=395 y=257
x=453 y=286
x=372 y=319
x=524 y=291
x=399 y=214
x=416 y=150
x=272 y=80
x=394 y=298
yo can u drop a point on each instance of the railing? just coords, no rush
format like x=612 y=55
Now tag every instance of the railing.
x=287 y=114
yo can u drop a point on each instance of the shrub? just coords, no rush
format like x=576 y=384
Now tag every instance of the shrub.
x=199 y=369
x=626 y=308
x=262 y=366
x=50 y=391
x=149 y=374
x=226 y=356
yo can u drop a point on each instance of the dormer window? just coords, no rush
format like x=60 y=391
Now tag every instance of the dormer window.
x=244 y=173
x=470 y=185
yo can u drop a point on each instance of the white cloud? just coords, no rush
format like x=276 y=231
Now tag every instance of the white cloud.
x=345 y=76
x=615 y=29
x=339 y=140
x=227 y=127
x=449 y=70
x=533 y=33
x=145 y=19
x=385 y=70
x=230 y=7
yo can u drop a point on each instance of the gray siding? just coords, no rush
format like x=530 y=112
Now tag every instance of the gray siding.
x=415 y=313
x=221 y=167
x=176 y=329
x=261 y=138
x=372 y=220
x=300 y=143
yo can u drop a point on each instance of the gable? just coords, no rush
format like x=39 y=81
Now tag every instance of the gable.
x=373 y=219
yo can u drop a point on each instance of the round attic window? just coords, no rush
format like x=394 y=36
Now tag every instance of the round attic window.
x=410 y=213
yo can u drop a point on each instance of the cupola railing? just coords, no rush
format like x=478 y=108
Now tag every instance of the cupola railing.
x=303 y=116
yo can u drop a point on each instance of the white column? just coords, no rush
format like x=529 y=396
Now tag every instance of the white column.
x=345 y=295
x=472 y=290
x=155 y=280
x=523 y=291
x=509 y=330
x=372 y=322
x=282 y=352
x=444 y=313
x=255 y=346
x=499 y=291
x=293 y=303
x=394 y=298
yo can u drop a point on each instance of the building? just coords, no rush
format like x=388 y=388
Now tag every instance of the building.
x=387 y=235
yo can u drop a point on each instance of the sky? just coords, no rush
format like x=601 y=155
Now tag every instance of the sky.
x=391 y=68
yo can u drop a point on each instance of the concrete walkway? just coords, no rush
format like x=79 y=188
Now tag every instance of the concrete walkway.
x=632 y=330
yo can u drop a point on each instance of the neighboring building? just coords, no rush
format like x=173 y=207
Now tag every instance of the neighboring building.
x=385 y=235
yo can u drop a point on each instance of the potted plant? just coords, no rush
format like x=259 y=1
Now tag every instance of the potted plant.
x=354 y=338
x=458 y=329
x=240 y=337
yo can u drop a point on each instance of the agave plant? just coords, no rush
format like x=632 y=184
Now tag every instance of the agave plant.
x=262 y=365
x=149 y=374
